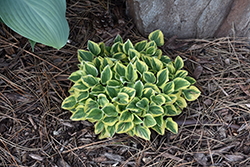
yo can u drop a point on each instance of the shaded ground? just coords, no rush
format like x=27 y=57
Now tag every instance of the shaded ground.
x=35 y=131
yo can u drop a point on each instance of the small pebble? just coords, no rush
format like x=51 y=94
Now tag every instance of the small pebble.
x=227 y=61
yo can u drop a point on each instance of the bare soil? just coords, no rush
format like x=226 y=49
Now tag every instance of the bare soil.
x=35 y=131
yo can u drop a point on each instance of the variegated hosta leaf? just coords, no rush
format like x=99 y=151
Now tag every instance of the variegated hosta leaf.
x=159 y=129
x=110 y=121
x=162 y=77
x=106 y=75
x=79 y=114
x=90 y=69
x=147 y=60
x=165 y=60
x=119 y=56
x=127 y=45
x=84 y=55
x=99 y=126
x=158 y=99
x=156 y=64
x=114 y=83
x=148 y=120
x=110 y=130
x=104 y=134
x=157 y=36
x=191 y=94
x=129 y=91
x=171 y=125
x=178 y=63
x=130 y=73
x=123 y=127
x=120 y=69
x=90 y=104
x=132 y=105
x=140 y=46
x=168 y=100
x=158 y=54
x=181 y=102
x=138 y=88
x=117 y=47
x=126 y=116
x=110 y=110
x=93 y=48
x=95 y=114
x=137 y=119
x=102 y=47
x=133 y=54
x=152 y=86
x=122 y=98
x=151 y=50
x=118 y=38
x=106 y=61
x=111 y=91
x=180 y=83
x=181 y=74
x=148 y=92
x=149 y=77
x=143 y=104
x=81 y=95
x=102 y=100
x=141 y=67
x=168 y=88
x=155 y=110
x=69 y=102
x=170 y=110
x=97 y=89
x=90 y=80
x=190 y=80
x=142 y=132
x=75 y=76
x=80 y=86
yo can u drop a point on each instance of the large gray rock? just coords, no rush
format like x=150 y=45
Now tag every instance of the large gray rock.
x=191 y=18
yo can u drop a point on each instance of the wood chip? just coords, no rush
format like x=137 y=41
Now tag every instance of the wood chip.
x=36 y=157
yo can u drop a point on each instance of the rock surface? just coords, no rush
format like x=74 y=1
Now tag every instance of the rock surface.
x=191 y=18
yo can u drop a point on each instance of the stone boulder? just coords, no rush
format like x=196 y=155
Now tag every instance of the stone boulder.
x=191 y=18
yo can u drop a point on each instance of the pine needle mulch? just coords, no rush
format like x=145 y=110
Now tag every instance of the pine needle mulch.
x=35 y=131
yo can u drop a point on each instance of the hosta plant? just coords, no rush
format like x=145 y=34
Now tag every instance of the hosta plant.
x=129 y=88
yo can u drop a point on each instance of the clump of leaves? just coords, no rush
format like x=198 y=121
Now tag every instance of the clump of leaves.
x=129 y=89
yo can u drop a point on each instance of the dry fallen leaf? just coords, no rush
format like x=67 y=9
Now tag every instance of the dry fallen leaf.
x=233 y=158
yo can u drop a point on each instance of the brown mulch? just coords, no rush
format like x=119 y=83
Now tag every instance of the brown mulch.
x=35 y=131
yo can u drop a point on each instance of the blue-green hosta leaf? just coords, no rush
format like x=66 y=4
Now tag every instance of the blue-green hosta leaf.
x=130 y=73
x=141 y=66
x=99 y=126
x=93 y=48
x=118 y=38
x=126 y=116
x=132 y=105
x=106 y=75
x=119 y=56
x=80 y=86
x=110 y=121
x=157 y=36
x=90 y=104
x=156 y=64
x=155 y=110
x=84 y=55
x=181 y=74
x=97 y=89
x=122 y=98
x=132 y=53
x=90 y=80
x=69 y=102
x=178 y=63
x=89 y=69
x=191 y=94
x=95 y=114
x=110 y=110
x=180 y=84
x=127 y=45
x=148 y=120
x=137 y=119
x=153 y=86
x=41 y=21
x=162 y=77
x=111 y=91
x=143 y=104
x=181 y=102
x=170 y=110
x=140 y=46
x=123 y=127
x=149 y=77
x=129 y=91
x=168 y=88
x=158 y=99
x=138 y=88
x=120 y=69
x=171 y=125
x=190 y=80
x=79 y=114
x=102 y=100
x=142 y=132
x=148 y=92
x=75 y=76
